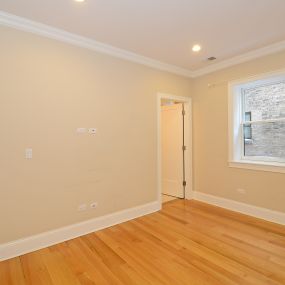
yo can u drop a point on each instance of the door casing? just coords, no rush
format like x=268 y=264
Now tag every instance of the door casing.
x=188 y=142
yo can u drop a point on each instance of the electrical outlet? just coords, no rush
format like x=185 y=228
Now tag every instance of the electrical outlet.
x=241 y=191
x=82 y=208
x=92 y=131
x=81 y=130
x=93 y=205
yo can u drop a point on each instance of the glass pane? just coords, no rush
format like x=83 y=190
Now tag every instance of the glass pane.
x=267 y=140
x=247 y=116
x=264 y=102
x=247 y=130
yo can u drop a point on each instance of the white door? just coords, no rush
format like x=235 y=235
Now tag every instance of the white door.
x=172 y=151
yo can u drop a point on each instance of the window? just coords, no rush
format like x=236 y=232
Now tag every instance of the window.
x=257 y=123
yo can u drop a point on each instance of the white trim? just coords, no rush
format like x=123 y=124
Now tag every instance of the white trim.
x=235 y=124
x=43 y=240
x=264 y=160
x=63 y=36
x=27 y=25
x=188 y=142
x=264 y=121
x=270 y=49
x=257 y=165
x=257 y=212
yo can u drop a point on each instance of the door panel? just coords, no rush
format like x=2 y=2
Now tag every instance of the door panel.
x=172 y=153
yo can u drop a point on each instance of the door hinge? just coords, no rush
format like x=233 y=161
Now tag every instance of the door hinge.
x=184 y=183
x=183 y=113
x=184 y=147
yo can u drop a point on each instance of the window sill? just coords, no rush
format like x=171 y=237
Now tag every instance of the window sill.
x=258 y=165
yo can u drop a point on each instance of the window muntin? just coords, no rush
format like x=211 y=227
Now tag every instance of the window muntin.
x=263 y=121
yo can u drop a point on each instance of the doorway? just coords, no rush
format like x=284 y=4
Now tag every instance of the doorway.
x=174 y=147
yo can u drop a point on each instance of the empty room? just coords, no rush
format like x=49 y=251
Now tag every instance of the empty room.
x=142 y=142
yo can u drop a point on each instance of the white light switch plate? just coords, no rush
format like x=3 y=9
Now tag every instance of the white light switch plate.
x=29 y=153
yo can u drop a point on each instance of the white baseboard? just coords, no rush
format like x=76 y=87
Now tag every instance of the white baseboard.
x=189 y=195
x=258 y=212
x=43 y=240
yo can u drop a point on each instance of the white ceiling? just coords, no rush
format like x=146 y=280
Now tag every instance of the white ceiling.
x=165 y=30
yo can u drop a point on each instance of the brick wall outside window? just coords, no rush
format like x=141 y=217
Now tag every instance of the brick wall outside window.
x=266 y=102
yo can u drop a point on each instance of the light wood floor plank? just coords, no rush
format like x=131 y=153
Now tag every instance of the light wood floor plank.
x=186 y=243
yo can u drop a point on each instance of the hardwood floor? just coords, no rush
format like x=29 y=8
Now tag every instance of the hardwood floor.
x=188 y=242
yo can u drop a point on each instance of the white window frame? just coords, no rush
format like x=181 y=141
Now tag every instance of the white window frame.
x=236 y=122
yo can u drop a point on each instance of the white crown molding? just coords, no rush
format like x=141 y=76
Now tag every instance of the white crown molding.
x=250 y=210
x=27 y=25
x=271 y=49
x=43 y=240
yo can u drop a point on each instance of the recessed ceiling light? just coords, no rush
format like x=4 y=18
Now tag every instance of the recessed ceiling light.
x=196 y=48
x=79 y=0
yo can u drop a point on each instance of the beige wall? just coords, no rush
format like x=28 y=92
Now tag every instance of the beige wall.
x=210 y=114
x=47 y=90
